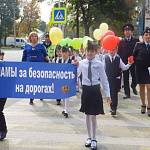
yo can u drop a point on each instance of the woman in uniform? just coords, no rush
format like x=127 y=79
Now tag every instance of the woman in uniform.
x=141 y=55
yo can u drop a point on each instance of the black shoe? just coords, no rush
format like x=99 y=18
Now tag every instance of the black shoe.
x=58 y=103
x=143 y=109
x=3 y=135
x=88 y=142
x=31 y=102
x=66 y=115
x=148 y=112
x=135 y=91
x=93 y=145
x=126 y=97
x=113 y=112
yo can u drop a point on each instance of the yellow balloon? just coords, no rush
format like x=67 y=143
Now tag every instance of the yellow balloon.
x=85 y=40
x=56 y=35
x=97 y=34
x=104 y=27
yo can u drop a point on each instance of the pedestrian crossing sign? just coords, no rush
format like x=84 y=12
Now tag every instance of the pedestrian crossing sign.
x=59 y=15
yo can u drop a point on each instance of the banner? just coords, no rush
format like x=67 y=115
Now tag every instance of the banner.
x=37 y=80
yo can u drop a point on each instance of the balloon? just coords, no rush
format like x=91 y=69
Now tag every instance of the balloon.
x=97 y=34
x=68 y=41
x=109 y=32
x=118 y=39
x=130 y=60
x=81 y=40
x=63 y=42
x=76 y=44
x=85 y=40
x=103 y=27
x=109 y=42
x=55 y=35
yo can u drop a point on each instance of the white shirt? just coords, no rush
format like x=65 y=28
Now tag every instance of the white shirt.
x=98 y=72
x=100 y=57
x=56 y=60
x=65 y=61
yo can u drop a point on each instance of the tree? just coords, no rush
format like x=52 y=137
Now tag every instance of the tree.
x=92 y=13
x=30 y=19
x=9 y=12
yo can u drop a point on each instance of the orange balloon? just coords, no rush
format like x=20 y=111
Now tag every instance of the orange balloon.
x=109 y=32
x=109 y=42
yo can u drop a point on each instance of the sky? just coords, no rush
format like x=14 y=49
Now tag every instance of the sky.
x=45 y=9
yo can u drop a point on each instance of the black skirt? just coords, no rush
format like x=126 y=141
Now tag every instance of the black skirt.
x=142 y=75
x=91 y=100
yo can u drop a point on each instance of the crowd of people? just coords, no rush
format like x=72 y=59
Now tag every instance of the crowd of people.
x=96 y=68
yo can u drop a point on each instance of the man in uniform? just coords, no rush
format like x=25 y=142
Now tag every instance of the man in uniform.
x=125 y=50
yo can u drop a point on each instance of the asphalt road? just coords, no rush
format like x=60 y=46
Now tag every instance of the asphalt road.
x=43 y=127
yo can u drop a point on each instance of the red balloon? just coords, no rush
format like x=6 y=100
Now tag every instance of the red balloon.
x=130 y=59
x=109 y=32
x=109 y=42
x=118 y=39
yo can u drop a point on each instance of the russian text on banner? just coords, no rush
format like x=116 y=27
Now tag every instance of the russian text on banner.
x=37 y=80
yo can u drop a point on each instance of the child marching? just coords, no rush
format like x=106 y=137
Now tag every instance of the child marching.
x=91 y=99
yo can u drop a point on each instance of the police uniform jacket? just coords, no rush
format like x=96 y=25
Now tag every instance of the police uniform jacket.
x=125 y=48
x=142 y=62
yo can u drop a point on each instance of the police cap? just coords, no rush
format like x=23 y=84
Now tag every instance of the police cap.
x=147 y=30
x=128 y=26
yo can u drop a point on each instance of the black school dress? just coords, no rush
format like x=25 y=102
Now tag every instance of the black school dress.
x=142 y=62
x=91 y=100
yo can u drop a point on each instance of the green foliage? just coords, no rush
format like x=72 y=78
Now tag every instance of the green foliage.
x=30 y=19
x=9 y=12
x=92 y=13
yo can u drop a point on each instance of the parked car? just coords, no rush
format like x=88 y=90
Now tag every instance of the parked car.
x=10 y=41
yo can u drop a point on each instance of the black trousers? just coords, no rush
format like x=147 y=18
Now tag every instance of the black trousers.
x=126 y=80
x=3 y=126
x=114 y=86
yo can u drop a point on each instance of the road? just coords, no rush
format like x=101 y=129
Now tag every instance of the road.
x=43 y=127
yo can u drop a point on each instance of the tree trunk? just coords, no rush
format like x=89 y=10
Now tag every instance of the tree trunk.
x=85 y=19
x=77 y=20
x=86 y=28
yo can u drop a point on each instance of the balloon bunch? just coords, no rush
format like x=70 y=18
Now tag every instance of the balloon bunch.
x=97 y=34
x=56 y=37
x=106 y=37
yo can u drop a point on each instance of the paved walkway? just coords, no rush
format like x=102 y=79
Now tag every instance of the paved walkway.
x=42 y=126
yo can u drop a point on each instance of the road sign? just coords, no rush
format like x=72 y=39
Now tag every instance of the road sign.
x=59 y=15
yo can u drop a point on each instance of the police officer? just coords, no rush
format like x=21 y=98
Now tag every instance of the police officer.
x=125 y=49
x=142 y=63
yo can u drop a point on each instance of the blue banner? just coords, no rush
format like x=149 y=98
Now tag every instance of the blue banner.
x=37 y=80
